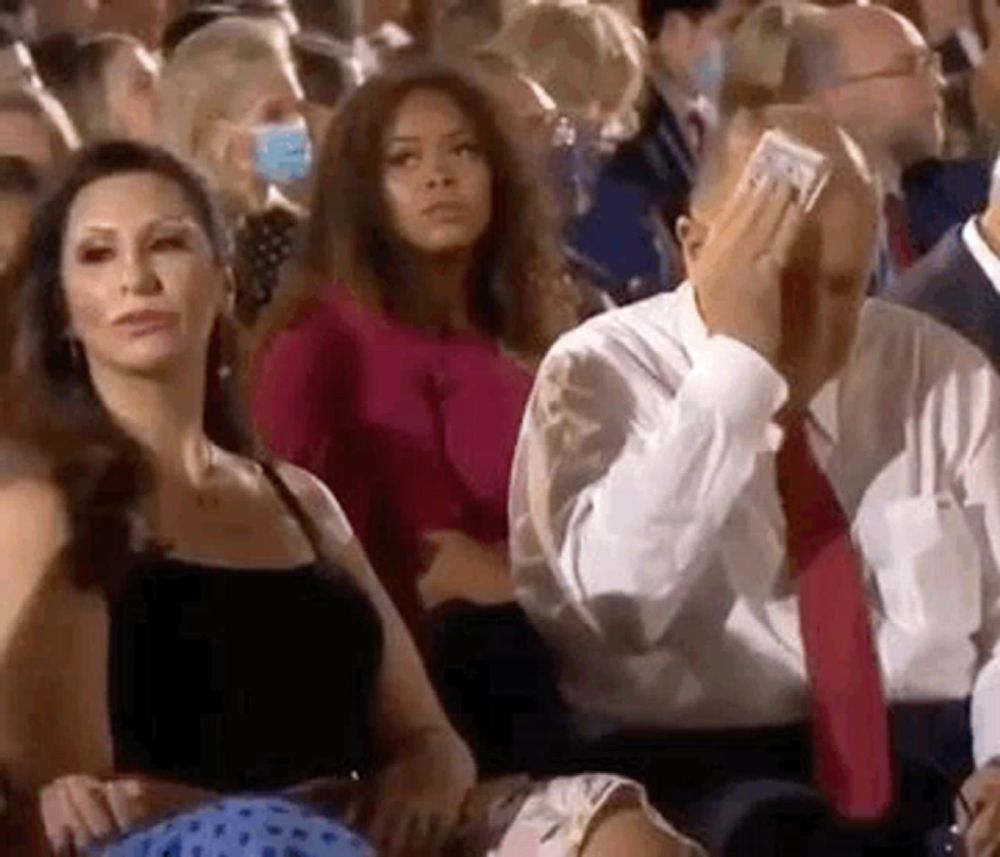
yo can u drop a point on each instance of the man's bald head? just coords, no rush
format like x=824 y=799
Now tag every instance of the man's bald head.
x=866 y=66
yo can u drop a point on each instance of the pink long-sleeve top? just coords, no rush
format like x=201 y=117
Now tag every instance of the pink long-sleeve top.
x=413 y=430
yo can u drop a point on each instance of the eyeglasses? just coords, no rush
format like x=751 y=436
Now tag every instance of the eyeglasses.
x=925 y=63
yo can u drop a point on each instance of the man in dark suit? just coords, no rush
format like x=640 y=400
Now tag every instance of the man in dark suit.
x=958 y=282
x=644 y=187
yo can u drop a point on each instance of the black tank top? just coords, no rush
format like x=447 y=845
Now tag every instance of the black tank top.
x=243 y=679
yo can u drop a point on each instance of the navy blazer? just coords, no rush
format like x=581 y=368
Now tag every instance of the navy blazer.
x=940 y=194
x=641 y=191
x=949 y=285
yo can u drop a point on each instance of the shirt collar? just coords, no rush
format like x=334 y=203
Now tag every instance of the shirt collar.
x=988 y=260
x=824 y=409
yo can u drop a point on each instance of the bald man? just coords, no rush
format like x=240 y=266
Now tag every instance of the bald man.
x=758 y=522
x=869 y=69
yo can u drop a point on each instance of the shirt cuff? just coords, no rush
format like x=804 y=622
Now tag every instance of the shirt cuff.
x=736 y=381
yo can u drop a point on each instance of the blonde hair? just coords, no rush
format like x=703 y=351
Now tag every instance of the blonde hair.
x=201 y=80
x=580 y=52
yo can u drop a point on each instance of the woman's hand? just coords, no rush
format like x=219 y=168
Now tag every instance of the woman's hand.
x=78 y=811
x=415 y=801
x=459 y=567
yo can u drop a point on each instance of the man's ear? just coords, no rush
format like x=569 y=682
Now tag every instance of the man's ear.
x=691 y=236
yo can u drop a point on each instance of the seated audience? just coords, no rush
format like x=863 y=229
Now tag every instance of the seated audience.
x=173 y=548
x=871 y=71
x=36 y=127
x=958 y=282
x=230 y=103
x=430 y=284
x=398 y=367
x=758 y=519
x=591 y=61
x=644 y=187
x=107 y=83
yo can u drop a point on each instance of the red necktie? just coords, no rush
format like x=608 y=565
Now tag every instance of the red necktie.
x=901 y=248
x=849 y=718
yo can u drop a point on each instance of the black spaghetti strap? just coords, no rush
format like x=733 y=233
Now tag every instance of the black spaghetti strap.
x=302 y=517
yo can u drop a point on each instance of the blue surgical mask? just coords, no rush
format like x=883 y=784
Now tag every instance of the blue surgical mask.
x=710 y=70
x=282 y=152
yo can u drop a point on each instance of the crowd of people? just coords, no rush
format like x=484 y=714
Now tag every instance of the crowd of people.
x=426 y=430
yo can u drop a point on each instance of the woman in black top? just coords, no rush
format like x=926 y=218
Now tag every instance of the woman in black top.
x=229 y=584
x=221 y=630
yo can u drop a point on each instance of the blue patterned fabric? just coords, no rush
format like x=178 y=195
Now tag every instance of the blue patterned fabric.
x=242 y=827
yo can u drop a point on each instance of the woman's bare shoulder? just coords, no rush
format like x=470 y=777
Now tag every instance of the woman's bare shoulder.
x=319 y=503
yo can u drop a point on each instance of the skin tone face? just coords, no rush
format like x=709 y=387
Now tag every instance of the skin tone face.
x=436 y=179
x=271 y=96
x=890 y=89
x=824 y=284
x=15 y=215
x=142 y=287
x=26 y=136
x=130 y=79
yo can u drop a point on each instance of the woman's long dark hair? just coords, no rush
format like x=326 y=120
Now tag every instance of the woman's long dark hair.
x=519 y=296
x=50 y=402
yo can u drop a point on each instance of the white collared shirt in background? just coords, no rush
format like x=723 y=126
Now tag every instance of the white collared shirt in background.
x=648 y=541
x=974 y=242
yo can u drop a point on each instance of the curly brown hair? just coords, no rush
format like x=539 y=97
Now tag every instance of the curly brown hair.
x=520 y=296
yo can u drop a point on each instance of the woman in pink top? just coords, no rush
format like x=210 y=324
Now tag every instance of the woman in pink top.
x=397 y=368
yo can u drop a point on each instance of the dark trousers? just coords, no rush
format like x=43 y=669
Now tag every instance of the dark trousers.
x=749 y=792
x=745 y=792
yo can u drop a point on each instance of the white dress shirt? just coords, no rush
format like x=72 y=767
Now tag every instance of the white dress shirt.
x=987 y=260
x=648 y=541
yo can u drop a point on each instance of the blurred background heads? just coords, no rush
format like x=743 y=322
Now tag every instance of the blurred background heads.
x=34 y=126
x=228 y=90
x=588 y=57
x=107 y=83
x=56 y=16
x=867 y=66
x=686 y=40
x=329 y=70
x=143 y=19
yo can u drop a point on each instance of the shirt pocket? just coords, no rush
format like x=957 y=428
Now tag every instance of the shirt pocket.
x=925 y=562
